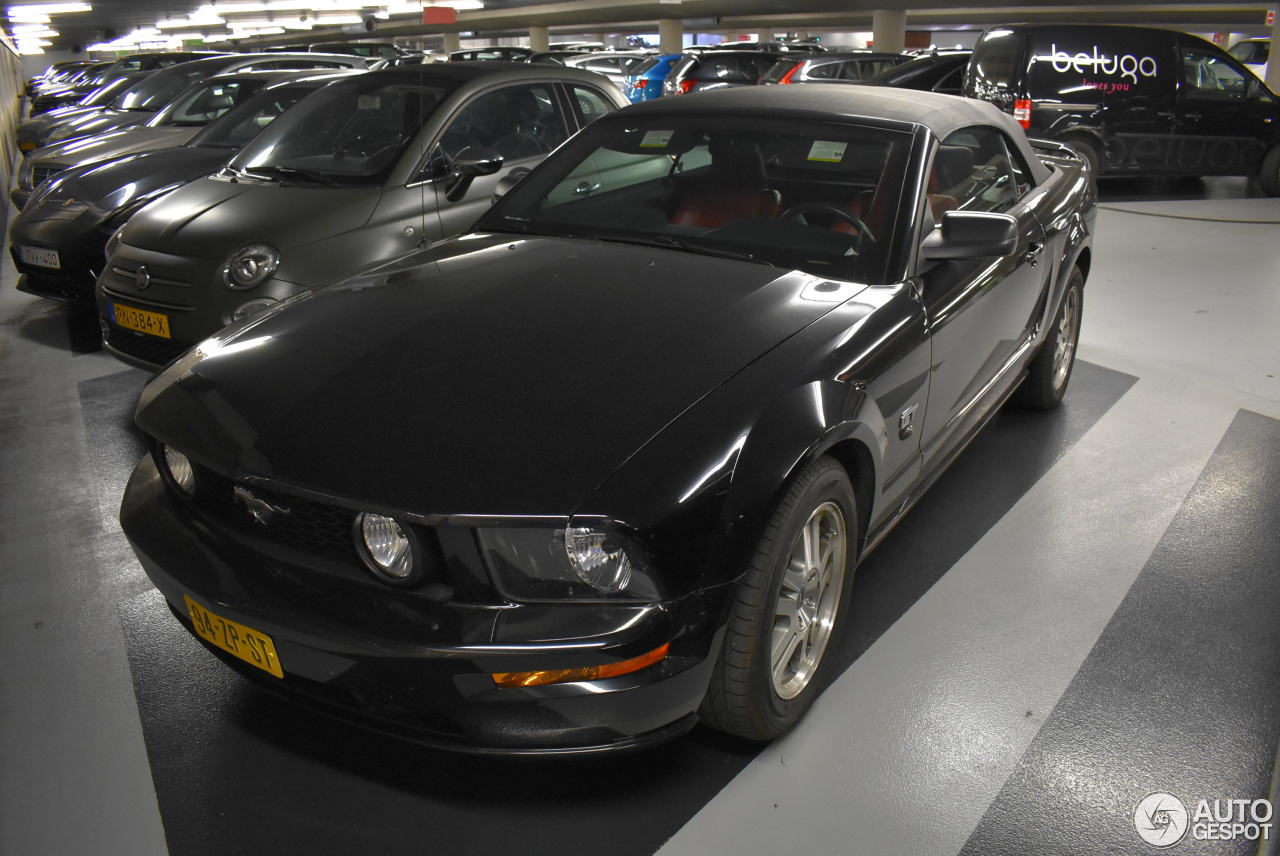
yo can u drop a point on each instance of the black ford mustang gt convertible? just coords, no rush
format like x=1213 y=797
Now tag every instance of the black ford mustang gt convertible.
x=604 y=466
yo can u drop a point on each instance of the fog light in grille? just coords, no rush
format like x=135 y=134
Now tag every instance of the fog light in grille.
x=386 y=547
x=252 y=307
x=180 y=469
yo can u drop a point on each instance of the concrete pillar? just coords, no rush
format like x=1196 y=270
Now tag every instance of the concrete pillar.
x=671 y=35
x=452 y=42
x=539 y=38
x=1273 y=66
x=889 y=27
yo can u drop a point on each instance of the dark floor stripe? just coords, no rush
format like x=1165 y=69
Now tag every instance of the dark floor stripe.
x=239 y=772
x=1181 y=693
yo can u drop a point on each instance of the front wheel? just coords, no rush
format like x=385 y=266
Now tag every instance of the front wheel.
x=1050 y=369
x=1269 y=176
x=788 y=609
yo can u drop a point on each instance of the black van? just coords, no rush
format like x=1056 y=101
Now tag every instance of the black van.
x=1133 y=100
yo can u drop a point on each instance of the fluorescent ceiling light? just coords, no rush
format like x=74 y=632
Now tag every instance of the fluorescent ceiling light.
x=48 y=9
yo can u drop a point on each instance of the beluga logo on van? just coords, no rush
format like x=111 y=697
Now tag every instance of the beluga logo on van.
x=1123 y=65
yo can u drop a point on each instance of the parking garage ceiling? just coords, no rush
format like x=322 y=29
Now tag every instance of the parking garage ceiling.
x=109 y=19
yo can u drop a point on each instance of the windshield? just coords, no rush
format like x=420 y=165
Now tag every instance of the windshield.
x=159 y=89
x=206 y=101
x=352 y=132
x=790 y=193
x=241 y=124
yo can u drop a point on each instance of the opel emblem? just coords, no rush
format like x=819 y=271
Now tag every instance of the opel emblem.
x=143 y=277
x=261 y=510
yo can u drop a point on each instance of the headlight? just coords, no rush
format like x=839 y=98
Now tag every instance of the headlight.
x=113 y=243
x=387 y=548
x=250 y=266
x=180 y=469
x=577 y=563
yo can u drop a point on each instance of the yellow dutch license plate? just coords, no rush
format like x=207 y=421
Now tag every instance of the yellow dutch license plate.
x=151 y=323
x=248 y=644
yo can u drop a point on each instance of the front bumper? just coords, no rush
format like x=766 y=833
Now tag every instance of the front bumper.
x=80 y=256
x=420 y=668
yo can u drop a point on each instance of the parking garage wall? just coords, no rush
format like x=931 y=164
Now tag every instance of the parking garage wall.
x=11 y=82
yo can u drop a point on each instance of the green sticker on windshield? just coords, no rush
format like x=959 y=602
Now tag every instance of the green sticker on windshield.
x=827 y=151
x=656 y=139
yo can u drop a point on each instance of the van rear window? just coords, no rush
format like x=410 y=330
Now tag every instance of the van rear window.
x=997 y=60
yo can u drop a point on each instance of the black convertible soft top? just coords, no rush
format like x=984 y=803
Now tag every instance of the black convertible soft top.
x=941 y=114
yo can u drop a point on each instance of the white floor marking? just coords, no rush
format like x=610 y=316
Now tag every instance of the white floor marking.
x=905 y=752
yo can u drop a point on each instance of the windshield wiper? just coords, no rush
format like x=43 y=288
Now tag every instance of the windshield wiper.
x=289 y=172
x=672 y=243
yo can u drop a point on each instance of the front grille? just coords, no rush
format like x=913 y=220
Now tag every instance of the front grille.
x=43 y=172
x=149 y=349
x=314 y=527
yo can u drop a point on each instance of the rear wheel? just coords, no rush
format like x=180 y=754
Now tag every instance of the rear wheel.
x=1269 y=176
x=787 y=610
x=1088 y=150
x=1050 y=369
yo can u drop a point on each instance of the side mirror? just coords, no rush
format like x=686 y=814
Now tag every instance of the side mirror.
x=972 y=235
x=471 y=163
x=475 y=161
x=507 y=182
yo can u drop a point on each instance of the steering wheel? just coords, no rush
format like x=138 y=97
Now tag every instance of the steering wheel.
x=519 y=141
x=798 y=212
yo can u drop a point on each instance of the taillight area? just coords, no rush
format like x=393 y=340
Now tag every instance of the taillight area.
x=687 y=84
x=786 y=78
x=1022 y=112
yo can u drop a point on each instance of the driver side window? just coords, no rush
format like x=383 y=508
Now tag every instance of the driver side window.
x=1206 y=75
x=516 y=122
x=974 y=170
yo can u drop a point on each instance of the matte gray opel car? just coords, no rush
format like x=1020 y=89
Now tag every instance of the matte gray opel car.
x=359 y=173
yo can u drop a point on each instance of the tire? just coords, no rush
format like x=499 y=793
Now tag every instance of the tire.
x=747 y=697
x=1050 y=369
x=1269 y=175
x=1089 y=151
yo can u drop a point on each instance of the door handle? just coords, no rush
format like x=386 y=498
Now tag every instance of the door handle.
x=1032 y=256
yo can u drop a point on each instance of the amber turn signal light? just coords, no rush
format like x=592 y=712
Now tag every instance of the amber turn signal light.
x=586 y=673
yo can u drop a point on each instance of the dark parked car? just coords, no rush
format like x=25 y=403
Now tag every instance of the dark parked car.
x=370 y=51
x=1133 y=100
x=58 y=239
x=492 y=54
x=362 y=172
x=937 y=72
x=717 y=69
x=179 y=121
x=851 y=67
x=602 y=467
x=142 y=103
x=34 y=132
x=80 y=84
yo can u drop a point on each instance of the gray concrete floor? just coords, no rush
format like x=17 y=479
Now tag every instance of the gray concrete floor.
x=930 y=716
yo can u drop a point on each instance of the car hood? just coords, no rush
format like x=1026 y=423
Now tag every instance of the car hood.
x=211 y=217
x=113 y=144
x=107 y=120
x=490 y=375
x=84 y=198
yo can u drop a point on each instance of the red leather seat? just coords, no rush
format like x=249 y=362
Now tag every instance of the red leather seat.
x=736 y=189
x=951 y=166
